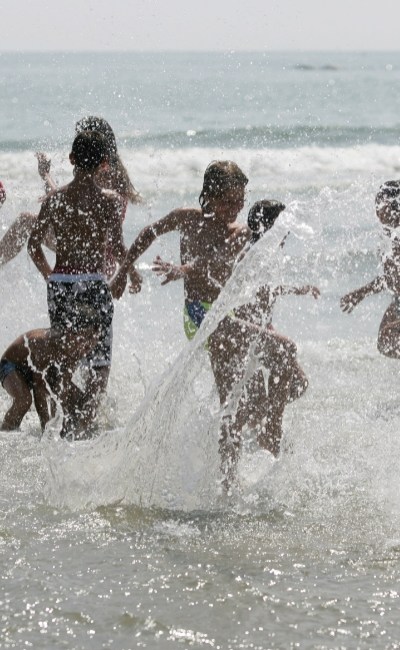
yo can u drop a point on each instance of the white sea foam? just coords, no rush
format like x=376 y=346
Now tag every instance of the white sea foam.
x=166 y=454
x=315 y=559
x=157 y=170
x=160 y=422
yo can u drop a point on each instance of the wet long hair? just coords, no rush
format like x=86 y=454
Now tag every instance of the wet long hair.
x=220 y=176
x=120 y=180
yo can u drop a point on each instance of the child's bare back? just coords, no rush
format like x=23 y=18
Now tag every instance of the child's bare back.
x=84 y=216
x=81 y=215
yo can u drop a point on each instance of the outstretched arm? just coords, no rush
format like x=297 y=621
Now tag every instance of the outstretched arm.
x=116 y=244
x=266 y=296
x=141 y=243
x=307 y=289
x=352 y=299
x=44 y=164
x=173 y=221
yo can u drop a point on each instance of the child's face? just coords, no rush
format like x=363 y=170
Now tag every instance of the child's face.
x=230 y=204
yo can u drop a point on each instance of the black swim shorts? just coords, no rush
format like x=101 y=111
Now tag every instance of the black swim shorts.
x=77 y=303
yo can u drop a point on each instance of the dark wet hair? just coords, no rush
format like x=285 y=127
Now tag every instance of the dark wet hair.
x=387 y=204
x=89 y=150
x=99 y=124
x=220 y=176
x=262 y=216
x=121 y=182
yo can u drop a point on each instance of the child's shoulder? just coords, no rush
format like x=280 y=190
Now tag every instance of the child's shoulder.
x=53 y=198
x=110 y=194
x=188 y=216
x=112 y=199
x=182 y=218
x=189 y=212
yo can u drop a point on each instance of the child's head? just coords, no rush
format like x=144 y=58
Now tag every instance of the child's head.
x=262 y=216
x=220 y=177
x=120 y=180
x=387 y=204
x=99 y=124
x=89 y=150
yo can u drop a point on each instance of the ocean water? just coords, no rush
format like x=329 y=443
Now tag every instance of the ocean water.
x=125 y=541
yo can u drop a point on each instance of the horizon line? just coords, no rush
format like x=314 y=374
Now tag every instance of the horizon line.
x=202 y=51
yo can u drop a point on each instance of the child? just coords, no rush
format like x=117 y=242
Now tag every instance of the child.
x=29 y=367
x=388 y=212
x=254 y=320
x=80 y=212
x=210 y=241
x=114 y=176
x=23 y=373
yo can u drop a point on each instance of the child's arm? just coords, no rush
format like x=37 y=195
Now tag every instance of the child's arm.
x=119 y=250
x=44 y=164
x=171 y=271
x=352 y=299
x=266 y=297
x=297 y=291
x=36 y=239
x=173 y=221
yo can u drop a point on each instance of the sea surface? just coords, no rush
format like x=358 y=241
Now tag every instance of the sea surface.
x=126 y=541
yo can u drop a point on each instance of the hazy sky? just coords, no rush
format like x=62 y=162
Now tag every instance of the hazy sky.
x=199 y=25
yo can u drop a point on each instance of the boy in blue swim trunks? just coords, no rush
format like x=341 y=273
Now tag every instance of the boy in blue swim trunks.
x=28 y=372
x=83 y=217
x=20 y=381
x=211 y=240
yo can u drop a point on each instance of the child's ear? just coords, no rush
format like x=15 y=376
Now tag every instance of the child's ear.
x=72 y=158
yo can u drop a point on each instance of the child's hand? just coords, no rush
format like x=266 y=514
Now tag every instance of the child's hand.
x=308 y=289
x=170 y=271
x=44 y=164
x=349 y=301
x=314 y=291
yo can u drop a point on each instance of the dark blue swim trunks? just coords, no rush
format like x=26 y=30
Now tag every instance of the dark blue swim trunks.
x=7 y=367
x=79 y=302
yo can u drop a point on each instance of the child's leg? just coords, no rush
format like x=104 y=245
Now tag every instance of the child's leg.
x=225 y=356
x=298 y=384
x=389 y=333
x=95 y=389
x=278 y=353
x=42 y=399
x=17 y=388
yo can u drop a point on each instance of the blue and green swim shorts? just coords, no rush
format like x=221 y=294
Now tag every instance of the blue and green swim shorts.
x=193 y=316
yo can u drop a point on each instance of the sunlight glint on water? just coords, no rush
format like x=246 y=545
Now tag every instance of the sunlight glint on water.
x=126 y=541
